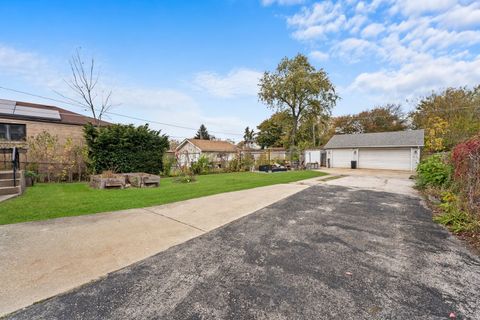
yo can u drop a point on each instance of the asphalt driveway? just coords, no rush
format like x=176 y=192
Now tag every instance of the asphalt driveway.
x=328 y=252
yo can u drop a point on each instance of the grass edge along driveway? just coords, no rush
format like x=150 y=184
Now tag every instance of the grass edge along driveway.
x=53 y=200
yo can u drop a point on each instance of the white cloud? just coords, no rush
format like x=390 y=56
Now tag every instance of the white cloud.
x=373 y=30
x=353 y=49
x=422 y=26
x=414 y=79
x=34 y=73
x=238 y=82
x=415 y=7
x=320 y=12
x=361 y=7
x=172 y=107
x=462 y=16
x=12 y=60
x=153 y=98
x=420 y=45
x=26 y=65
x=281 y=2
x=324 y=17
x=319 y=55
x=355 y=23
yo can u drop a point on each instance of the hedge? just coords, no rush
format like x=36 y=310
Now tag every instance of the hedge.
x=125 y=148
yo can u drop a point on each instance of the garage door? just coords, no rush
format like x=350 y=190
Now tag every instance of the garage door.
x=341 y=158
x=392 y=159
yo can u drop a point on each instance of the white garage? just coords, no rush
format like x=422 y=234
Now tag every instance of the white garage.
x=383 y=150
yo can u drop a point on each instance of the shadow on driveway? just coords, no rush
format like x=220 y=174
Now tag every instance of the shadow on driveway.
x=328 y=252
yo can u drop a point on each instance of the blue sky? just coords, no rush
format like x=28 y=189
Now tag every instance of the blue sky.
x=193 y=62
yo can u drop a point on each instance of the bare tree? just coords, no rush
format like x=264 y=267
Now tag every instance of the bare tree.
x=84 y=83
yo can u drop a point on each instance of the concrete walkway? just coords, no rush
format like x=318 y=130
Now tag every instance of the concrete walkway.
x=41 y=259
x=376 y=180
x=7 y=196
x=368 y=172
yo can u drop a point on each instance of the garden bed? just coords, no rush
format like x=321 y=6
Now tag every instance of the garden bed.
x=124 y=180
x=142 y=180
x=108 y=181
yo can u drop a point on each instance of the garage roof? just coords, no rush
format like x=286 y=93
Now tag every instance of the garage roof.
x=410 y=138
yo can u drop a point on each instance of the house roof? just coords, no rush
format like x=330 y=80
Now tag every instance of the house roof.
x=43 y=113
x=410 y=138
x=211 y=145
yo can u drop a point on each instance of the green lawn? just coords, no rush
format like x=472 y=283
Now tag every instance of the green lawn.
x=47 y=201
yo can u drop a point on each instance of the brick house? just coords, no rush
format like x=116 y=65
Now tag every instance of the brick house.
x=22 y=120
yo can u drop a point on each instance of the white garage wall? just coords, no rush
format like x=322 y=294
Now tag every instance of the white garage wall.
x=312 y=156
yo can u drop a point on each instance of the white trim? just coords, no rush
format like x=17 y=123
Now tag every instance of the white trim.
x=183 y=143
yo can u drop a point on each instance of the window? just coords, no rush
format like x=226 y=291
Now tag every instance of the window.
x=12 y=132
x=3 y=131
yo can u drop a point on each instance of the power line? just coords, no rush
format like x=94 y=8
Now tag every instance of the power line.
x=114 y=113
x=78 y=105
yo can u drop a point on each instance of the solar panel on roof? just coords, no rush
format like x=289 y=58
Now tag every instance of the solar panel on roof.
x=37 y=113
x=9 y=107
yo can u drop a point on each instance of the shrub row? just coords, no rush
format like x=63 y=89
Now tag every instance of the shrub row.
x=125 y=148
x=466 y=163
x=456 y=178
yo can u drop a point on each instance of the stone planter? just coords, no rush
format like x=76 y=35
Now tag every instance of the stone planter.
x=115 y=181
x=142 y=180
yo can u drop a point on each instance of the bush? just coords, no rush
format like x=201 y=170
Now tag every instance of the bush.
x=248 y=161
x=125 y=148
x=457 y=220
x=53 y=161
x=169 y=162
x=453 y=217
x=242 y=164
x=201 y=166
x=184 y=177
x=234 y=165
x=434 y=171
x=466 y=162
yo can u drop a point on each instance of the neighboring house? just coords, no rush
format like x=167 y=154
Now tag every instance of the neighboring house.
x=398 y=150
x=219 y=152
x=21 y=120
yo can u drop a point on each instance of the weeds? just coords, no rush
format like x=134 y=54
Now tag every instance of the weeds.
x=457 y=220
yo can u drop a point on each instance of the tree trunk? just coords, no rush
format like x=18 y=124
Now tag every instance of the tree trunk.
x=313 y=135
x=293 y=138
